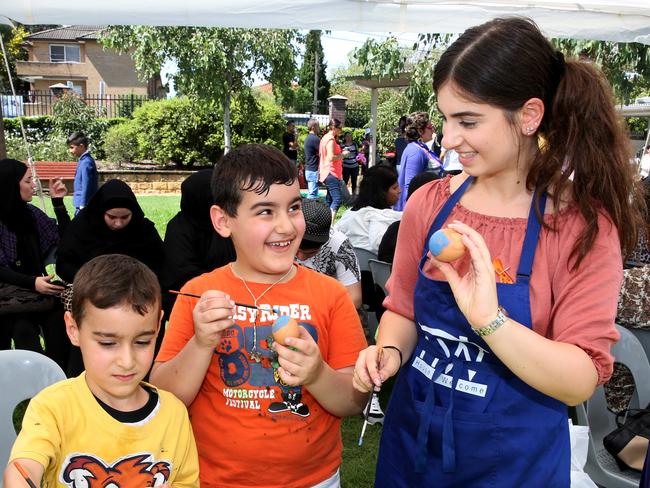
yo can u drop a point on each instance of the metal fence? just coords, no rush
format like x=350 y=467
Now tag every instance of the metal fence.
x=34 y=103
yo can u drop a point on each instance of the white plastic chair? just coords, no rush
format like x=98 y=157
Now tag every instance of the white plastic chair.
x=601 y=466
x=22 y=375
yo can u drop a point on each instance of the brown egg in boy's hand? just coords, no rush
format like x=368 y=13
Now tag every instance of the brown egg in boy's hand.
x=285 y=327
x=446 y=245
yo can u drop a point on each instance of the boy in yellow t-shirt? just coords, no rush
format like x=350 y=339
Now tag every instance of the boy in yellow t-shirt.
x=263 y=414
x=106 y=427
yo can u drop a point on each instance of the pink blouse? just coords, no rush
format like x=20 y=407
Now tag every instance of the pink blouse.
x=577 y=307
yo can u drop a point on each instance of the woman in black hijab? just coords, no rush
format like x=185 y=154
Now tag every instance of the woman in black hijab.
x=27 y=238
x=192 y=247
x=112 y=223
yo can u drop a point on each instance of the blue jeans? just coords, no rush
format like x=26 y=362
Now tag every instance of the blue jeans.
x=312 y=183
x=333 y=198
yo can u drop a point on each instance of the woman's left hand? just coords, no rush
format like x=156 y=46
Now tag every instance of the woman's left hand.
x=476 y=292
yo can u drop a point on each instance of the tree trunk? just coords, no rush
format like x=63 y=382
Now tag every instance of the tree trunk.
x=226 y=123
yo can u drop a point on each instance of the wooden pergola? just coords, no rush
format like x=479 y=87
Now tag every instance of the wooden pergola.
x=374 y=84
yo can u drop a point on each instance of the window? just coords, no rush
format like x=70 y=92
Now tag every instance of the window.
x=64 y=53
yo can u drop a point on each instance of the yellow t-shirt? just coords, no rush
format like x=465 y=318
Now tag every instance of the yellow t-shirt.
x=73 y=437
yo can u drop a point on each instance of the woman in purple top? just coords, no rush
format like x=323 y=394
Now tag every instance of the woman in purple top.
x=417 y=157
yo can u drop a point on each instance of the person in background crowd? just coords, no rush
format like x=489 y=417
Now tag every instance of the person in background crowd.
x=386 y=251
x=350 y=163
x=312 y=159
x=493 y=346
x=290 y=142
x=28 y=240
x=112 y=223
x=191 y=246
x=331 y=167
x=86 y=178
x=400 y=141
x=417 y=156
x=327 y=250
x=371 y=214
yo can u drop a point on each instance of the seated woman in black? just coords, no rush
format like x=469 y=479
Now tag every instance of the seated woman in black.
x=27 y=237
x=192 y=247
x=112 y=223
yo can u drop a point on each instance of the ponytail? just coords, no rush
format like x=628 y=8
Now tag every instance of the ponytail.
x=585 y=141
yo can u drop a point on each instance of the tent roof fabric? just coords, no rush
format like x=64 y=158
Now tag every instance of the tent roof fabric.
x=69 y=33
x=610 y=20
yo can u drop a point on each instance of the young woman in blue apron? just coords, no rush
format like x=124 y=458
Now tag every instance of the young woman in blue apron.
x=487 y=374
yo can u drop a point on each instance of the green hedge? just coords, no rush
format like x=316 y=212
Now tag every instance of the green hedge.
x=186 y=132
x=36 y=128
x=42 y=134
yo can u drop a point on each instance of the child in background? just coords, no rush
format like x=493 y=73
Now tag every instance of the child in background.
x=264 y=414
x=107 y=425
x=86 y=179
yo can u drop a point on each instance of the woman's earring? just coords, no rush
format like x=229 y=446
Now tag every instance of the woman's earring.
x=530 y=130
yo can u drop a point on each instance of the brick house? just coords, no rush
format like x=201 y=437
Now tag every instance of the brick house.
x=72 y=56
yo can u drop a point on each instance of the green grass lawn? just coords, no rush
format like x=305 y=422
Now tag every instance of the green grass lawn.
x=358 y=469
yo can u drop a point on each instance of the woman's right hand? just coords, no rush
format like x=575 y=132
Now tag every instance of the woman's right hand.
x=374 y=366
x=44 y=287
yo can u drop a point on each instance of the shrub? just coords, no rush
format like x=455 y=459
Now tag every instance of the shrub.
x=36 y=128
x=187 y=132
x=179 y=130
x=51 y=149
x=120 y=143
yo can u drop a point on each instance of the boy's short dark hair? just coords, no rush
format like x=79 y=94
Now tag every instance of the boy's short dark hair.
x=250 y=167
x=78 y=139
x=114 y=279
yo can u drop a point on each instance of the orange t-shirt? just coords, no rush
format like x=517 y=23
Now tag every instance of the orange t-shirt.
x=576 y=307
x=327 y=167
x=249 y=431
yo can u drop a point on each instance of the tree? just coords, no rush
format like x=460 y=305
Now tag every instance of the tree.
x=12 y=39
x=387 y=59
x=626 y=65
x=214 y=64
x=313 y=61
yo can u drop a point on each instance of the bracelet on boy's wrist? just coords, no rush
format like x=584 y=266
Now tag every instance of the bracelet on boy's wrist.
x=398 y=352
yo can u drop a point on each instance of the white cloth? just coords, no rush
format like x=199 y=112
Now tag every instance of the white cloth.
x=451 y=162
x=337 y=259
x=644 y=169
x=365 y=227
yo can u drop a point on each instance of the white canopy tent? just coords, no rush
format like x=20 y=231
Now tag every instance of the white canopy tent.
x=612 y=20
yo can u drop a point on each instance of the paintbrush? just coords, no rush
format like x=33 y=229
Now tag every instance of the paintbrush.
x=176 y=292
x=24 y=474
x=372 y=393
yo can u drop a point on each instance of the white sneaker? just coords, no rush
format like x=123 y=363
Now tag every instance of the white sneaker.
x=376 y=414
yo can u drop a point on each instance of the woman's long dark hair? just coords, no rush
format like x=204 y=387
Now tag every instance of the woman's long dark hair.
x=506 y=62
x=374 y=186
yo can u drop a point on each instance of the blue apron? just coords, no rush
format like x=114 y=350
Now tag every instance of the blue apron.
x=457 y=416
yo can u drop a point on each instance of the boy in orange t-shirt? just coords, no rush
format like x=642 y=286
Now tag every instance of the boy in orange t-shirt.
x=263 y=414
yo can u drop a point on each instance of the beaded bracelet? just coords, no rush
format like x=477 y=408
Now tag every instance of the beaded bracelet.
x=398 y=352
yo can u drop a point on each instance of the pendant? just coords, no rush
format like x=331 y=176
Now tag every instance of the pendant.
x=255 y=355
